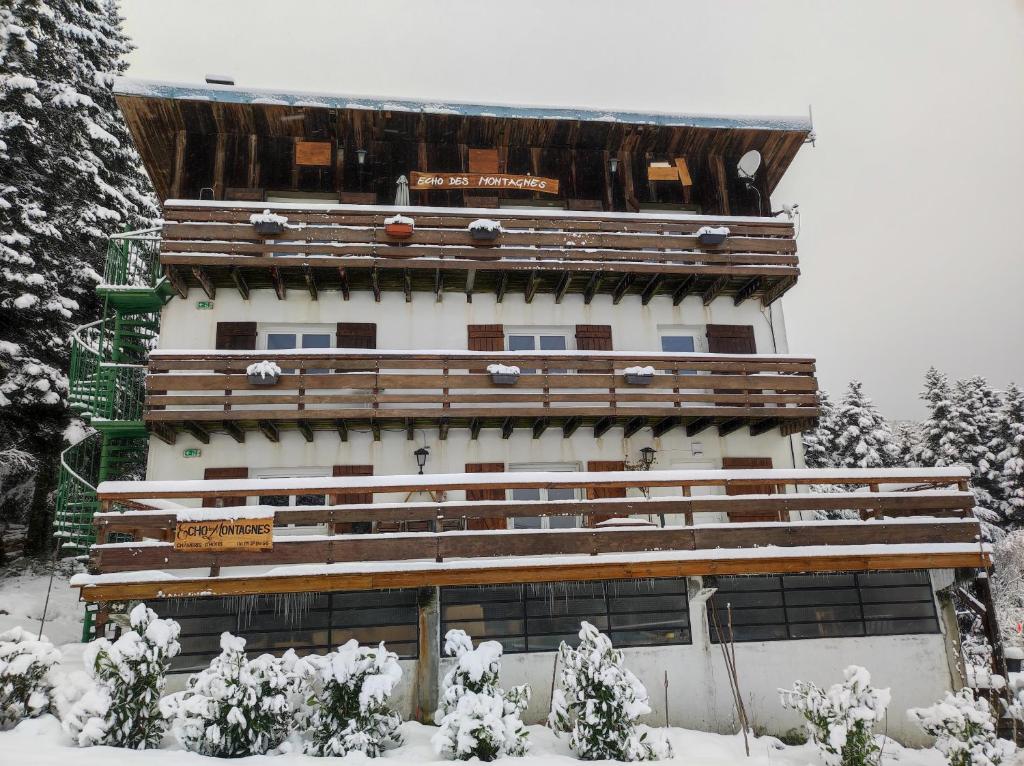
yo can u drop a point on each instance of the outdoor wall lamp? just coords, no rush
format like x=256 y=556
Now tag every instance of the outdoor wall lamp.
x=361 y=156
x=613 y=165
x=421 y=457
x=647 y=456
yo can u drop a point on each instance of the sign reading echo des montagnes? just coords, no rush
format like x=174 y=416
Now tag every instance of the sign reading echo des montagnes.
x=491 y=181
x=224 y=535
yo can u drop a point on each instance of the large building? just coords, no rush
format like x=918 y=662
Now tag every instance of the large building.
x=530 y=367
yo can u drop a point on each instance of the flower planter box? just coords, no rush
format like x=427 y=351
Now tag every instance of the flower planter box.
x=639 y=378
x=504 y=378
x=484 y=235
x=712 y=237
x=399 y=230
x=255 y=379
x=269 y=227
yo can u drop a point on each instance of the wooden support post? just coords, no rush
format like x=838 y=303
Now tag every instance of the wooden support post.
x=438 y=285
x=773 y=293
x=240 y=284
x=507 y=427
x=305 y=429
x=474 y=428
x=563 y=286
x=375 y=284
x=540 y=425
x=665 y=425
x=174 y=277
x=601 y=426
x=219 y=151
x=342 y=427
x=375 y=429
x=203 y=278
x=269 y=430
x=634 y=425
x=178 y=177
x=532 y=283
x=729 y=426
x=407 y=285
x=593 y=285
x=279 y=287
x=196 y=430
x=651 y=288
x=684 y=288
x=501 y=287
x=410 y=430
x=620 y=289
x=343 y=282
x=307 y=274
x=570 y=426
x=747 y=291
x=764 y=426
x=427 y=667
x=235 y=431
x=470 y=283
x=163 y=432
x=442 y=429
x=715 y=289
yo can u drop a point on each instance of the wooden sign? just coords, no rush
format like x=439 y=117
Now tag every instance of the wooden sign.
x=491 y=181
x=224 y=535
x=313 y=153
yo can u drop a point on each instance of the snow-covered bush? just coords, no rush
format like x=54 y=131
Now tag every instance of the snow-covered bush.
x=349 y=693
x=638 y=370
x=25 y=662
x=484 y=224
x=403 y=219
x=840 y=719
x=964 y=730
x=502 y=369
x=235 y=707
x=477 y=718
x=121 y=707
x=264 y=369
x=721 y=231
x=267 y=217
x=600 y=702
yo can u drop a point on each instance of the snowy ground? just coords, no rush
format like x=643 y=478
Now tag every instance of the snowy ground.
x=23 y=588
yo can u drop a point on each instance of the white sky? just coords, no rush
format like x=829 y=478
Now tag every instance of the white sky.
x=911 y=243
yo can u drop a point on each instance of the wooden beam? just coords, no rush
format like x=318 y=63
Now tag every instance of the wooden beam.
x=305 y=429
x=698 y=425
x=178 y=176
x=235 y=431
x=240 y=284
x=474 y=428
x=175 y=280
x=470 y=284
x=684 y=288
x=507 y=427
x=438 y=285
x=343 y=282
x=540 y=425
x=219 y=151
x=410 y=430
x=311 y=286
x=651 y=288
x=279 y=287
x=163 y=432
x=634 y=425
x=203 y=278
x=375 y=429
x=269 y=430
x=620 y=288
x=715 y=289
x=563 y=286
x=747 y=291
x=601 y=426
x=342 y=428
x=665 y=425
x=442 y=429
x=593 y=284
x=764 y=426
x=570 y=426
x=726 y=427
x=532 y=283
x=197 y=430
x=501 y=287
x=407 y=285
x=375 y=284
x=773 y=293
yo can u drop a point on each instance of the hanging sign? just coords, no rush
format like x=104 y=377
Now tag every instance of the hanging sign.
x=224 y=535
x=491 y=181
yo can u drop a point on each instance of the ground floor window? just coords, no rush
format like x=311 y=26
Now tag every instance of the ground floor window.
x=780 y=607
x=538 y=617
x=306 y=622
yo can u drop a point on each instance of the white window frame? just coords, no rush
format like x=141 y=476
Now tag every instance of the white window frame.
x=537 y=330
x=306 y=472
x=263 y=331
x=545 y=521
x=697 y=332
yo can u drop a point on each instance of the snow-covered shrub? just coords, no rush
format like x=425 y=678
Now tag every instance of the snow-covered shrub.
x=477 y=718
x=349 y=693
x=840 y=719
x=403 y=219
x=25 y=662
x=502 y=369
x=964 y=730
x=235 y=707
x=264 y=369
x=484 y=224
x=600 y=702
x=121 y=707
x=638 y=370
x=267 y=217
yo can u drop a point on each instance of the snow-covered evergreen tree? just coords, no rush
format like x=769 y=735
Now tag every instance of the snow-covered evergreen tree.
x=935 y=448
x=1009 y=429
x=350 y=691
x=25 y=662
x=819 y=442
x=236 y=706
x=476 y=718
x=863 y=438
x=122 y=708
x=964 y=730
x=600 y=703
x=907 y=436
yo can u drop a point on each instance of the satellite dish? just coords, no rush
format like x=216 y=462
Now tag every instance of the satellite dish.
x=749 y=164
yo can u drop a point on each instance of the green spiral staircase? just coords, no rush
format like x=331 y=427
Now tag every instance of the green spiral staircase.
x=107 y=384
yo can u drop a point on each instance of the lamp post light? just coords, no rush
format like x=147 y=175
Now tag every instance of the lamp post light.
x=647 y=457
x=421 y=457
x=361 y=156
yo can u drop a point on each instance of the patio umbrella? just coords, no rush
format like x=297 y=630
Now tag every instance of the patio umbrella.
x=402 y=195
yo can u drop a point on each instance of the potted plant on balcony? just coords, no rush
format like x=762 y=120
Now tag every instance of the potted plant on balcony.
x=265 y=373
x=268 y=223
x=503 y=374
x=484 y=230
x=712 y=235
x=399 y=226
x=639 y=376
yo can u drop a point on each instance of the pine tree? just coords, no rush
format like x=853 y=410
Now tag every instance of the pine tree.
x=1010 y=459
x=819 y=443
x=907 y=436
x=863 y=438
x=935 y=449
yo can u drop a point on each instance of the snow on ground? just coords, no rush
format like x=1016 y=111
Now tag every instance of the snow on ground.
x=23 y=593
x=42 y=743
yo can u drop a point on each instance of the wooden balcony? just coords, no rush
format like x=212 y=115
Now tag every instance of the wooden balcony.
x=338 y=390
x=212 y=246
x=901 y=518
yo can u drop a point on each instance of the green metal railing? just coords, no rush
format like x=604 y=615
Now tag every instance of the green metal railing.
x=76 y=494
x=133 y=259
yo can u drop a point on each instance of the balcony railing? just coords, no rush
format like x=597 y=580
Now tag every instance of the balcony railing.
x=213 y=245
x=903 y=518
x=337 y=390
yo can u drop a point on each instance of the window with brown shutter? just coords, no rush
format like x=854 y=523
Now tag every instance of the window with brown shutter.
x=593 y=337
x=486 y=337
x=225 y=473
x=599 y=493
x=352 y=498
x=485 y=494
x=756 y=489
x=357 y=335
x=236 y=336
x=731 y=339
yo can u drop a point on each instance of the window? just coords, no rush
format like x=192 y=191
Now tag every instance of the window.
x=305 y=622
x=285 y=337
x=681 y=340
x=779 y=607
x=537 y=339
x=544 y=522
x=286 y=501
x=538 y=617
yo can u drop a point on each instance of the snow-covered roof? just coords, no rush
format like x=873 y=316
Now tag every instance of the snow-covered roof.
x=232 y=94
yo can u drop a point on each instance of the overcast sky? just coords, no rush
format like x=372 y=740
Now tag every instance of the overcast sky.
x=912 y=227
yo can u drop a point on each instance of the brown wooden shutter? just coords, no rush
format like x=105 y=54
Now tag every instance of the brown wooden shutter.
x=593 y=337
x=236 y=336
x=352 y=498
x=731 y=339
x=484 y=161
x=755 y=489
x=485 y=494
x=225 y=473
x=244 y=194
x=486 y=337
x=357 y=335
x=599 y=493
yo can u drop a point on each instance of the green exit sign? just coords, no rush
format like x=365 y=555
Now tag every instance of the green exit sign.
x=191 y=452
x=204 y=305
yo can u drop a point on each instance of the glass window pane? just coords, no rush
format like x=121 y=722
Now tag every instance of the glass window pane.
x=567 y=493
x=526 y=494
x=677 y=343
x=552 y=343
x=522 y=343
x=277 y=340
x=316 y=340
x=278 y=501
x=563 y=522
x=527 y=522
x=310 y=500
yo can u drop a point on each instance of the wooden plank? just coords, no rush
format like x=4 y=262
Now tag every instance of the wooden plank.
x=313 y=153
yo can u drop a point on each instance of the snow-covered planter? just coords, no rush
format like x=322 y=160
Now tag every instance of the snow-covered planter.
x=236 y=707
x=840 y=719
x=600 y=703
x=122 y=707
x=268 y=223
x=639 y=376
x=349 y=696
x=484 y=230
x=25 y=662
x=475 y=716
x=964 y=730
x=503 y=374
x=399 y=226
x=712 y=235
x=265 y=373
